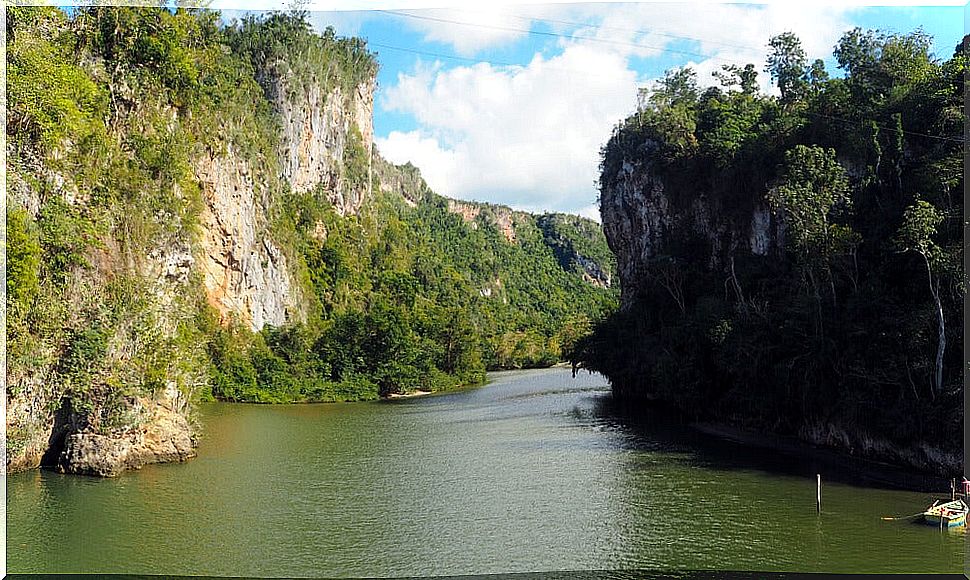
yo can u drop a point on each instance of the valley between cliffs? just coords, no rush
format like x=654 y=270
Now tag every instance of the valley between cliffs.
x=196 y=211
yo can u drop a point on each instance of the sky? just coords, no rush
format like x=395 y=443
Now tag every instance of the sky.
x=511 y=103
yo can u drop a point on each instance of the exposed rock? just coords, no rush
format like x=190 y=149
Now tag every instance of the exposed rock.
x=593 y=272
x=165 y=437
x=325 y=146
x=243 y=270
x=859 y=443
x=30 y=422
x=642 y=223
x=404 y=180
x=498 y=215
x=317 y=129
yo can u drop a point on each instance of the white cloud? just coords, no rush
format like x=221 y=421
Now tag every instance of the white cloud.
x=591 y=211
x=529 y=136
x=709 y=35
x=344 y=23
x=438 y=166
x=524 y=136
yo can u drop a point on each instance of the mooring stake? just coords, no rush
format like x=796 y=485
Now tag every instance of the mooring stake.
x=818 y=493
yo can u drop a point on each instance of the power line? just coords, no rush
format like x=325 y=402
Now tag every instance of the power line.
x=554 y=34
x=860 y=122
x=586 y=74
x=633 y=30
x=438 y=55
x=542 y=33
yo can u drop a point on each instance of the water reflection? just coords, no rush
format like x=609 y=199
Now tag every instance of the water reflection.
x=537 y=471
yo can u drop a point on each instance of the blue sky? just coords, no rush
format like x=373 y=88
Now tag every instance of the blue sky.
x=511 y=104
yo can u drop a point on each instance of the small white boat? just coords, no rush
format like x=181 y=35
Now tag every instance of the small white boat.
x=952 y=514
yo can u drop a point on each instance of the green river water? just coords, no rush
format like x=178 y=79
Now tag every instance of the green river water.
x=532 y=472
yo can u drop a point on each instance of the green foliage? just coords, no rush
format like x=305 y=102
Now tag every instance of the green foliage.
x=119 y=106
x=787 y=66
x=356 y=159
x=840 y=330
x=23 y=260
x=814 y=185
x=49 y=97
x=919 y=226
x=744 y=78
x=286 y=44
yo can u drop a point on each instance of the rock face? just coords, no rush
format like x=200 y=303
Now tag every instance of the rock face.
x=592 y=271
x=320 y=131
x=244 y=272
x=325 y=136
x=500 y=216
x=404 y=180
x=30 y=422
x=645 y=219
x=325 y=146
x=164 y=436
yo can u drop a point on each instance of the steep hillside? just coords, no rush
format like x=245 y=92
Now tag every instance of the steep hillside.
x=196 y=211
x=792 y=265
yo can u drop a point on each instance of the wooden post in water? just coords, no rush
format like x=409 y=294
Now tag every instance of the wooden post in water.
x=818 y=493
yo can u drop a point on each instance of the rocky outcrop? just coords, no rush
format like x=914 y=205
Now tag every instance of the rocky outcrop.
x=644 y=218
x=325 y=147
x=500 y=216
x=592 y=272
x=404 y=180
x=244 y=271
x=30 y=421
x=321 y=131
x=162 y=435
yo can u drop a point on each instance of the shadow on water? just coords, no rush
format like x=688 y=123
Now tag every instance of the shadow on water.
x=647 y=428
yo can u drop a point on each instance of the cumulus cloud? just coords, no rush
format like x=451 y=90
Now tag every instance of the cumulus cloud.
x=529 y=136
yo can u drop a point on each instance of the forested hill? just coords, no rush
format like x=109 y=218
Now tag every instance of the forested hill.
x=195 y=210
x=793 y=263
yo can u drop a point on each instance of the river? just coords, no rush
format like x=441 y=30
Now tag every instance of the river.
x=532 y=472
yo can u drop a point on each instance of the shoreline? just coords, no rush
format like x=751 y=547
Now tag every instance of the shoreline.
x=411 y=395
x=849 y=468
x=855 y=458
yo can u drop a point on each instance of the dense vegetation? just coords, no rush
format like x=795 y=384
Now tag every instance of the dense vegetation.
x=410 y=298
x=859 y=325
x=108 y=107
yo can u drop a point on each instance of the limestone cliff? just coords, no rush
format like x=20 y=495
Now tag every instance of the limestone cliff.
x=768 y=273
x=104 y=358
x=325 y=143
x=319 y=131
x=245 y=273
x=646 y=220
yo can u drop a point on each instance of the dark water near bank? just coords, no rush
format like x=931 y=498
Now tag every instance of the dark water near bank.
x=529 y=473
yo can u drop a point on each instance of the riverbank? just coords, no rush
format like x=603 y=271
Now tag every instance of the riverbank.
x=780 y=452
x=842 y=465
x=410 y=395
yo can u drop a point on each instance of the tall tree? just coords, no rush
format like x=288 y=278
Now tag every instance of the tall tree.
x=920 y=221
x=787 y=66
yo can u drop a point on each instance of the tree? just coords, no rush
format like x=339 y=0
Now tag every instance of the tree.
x=817 y=75
x=858 y=51
x=920 y=221
x=814 y=187
x=787 y=66
x=746 y=78
x=678 y=86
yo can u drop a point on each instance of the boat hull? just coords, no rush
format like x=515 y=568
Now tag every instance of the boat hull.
x=954 y=522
